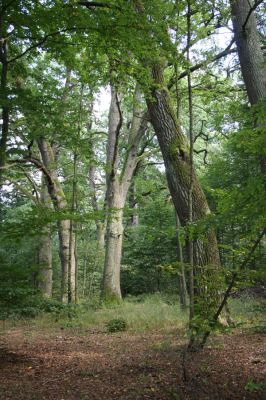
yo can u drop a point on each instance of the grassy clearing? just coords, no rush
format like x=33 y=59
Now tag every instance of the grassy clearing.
x=152 y=313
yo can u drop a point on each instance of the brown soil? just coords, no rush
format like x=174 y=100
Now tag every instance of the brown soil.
x=68 y=365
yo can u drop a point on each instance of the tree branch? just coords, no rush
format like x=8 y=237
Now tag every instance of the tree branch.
x=91 y=5
x=222 y=54
x=252 y=9
x=37 y=163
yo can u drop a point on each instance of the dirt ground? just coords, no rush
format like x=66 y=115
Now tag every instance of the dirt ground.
x=72 y=365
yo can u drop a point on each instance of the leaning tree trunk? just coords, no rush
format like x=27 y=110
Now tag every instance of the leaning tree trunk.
x=60 y=204
x=175 y=150
x=45 y=275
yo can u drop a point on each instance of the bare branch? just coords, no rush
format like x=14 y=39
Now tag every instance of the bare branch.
x=222 y=54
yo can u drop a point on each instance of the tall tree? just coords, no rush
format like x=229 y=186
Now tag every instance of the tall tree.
x=117 y=185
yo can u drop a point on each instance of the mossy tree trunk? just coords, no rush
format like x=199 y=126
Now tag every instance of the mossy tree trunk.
x=175 y=150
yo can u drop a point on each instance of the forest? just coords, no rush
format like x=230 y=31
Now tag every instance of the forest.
x=132 y=199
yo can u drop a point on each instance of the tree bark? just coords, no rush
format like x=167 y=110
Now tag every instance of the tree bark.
x=4 y=99
x=183 y=294
x=175 y=150
x=60 y=204
x=117 y=188
x=249 y=50
x=250 y=54
x=45 y=276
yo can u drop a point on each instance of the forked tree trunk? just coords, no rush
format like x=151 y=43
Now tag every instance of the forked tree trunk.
x=118 y=184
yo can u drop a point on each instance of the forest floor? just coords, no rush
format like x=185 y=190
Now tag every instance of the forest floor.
x=91 y=364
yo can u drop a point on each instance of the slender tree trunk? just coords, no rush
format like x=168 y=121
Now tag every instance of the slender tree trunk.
x=133 y=205
x=4 y=99
x=183 y=295
x=45 y=276
x=60 y=203
x=100 y=224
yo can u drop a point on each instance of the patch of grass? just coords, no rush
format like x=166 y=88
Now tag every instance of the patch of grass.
x=252 y=386
x=154 y=313
x=247 y=312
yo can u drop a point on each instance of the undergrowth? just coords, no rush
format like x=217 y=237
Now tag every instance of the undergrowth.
x=156 y=312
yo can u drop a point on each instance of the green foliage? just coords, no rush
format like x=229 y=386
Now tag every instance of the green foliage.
x=116 y=325
x=150 y=246
x=252 y=386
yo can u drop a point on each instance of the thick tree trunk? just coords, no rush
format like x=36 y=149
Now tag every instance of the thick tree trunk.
x=175 y=151
x=57 y=195
x=45 y=276
x=114 y=238
x=249 y=50
x=117 y=188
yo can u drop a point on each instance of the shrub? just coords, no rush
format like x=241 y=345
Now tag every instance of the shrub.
x=116 y=325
